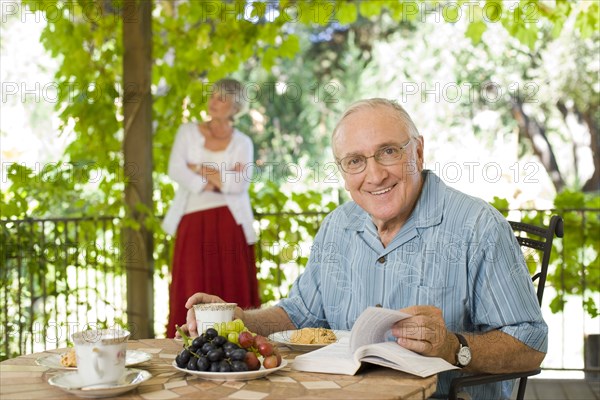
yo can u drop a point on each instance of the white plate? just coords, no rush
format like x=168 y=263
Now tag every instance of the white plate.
x=69 y=382
x=283 y=338
x=133 y=357
x=232 y=376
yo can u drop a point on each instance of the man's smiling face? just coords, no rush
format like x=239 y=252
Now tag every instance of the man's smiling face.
x=387 y=193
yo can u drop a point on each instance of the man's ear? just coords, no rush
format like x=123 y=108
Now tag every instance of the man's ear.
x=419 y=150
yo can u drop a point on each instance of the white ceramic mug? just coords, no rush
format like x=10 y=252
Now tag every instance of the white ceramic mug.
x=209 y=314
x=100 y=355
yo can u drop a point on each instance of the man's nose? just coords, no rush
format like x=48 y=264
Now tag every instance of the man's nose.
x=375 y=171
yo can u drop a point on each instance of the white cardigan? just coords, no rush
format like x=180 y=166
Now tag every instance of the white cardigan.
x=189 y=148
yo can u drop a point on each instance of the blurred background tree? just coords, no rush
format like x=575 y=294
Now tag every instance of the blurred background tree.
x=304 y=62
x=514 y=82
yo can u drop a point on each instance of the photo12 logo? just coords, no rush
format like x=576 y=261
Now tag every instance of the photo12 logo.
x=469 y=11
x=253 y=92
x=69 y=92
x=453 y=92
x=491 y=172
x=75 y=11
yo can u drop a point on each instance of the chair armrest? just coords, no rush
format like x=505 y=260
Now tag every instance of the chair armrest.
x=472 y=380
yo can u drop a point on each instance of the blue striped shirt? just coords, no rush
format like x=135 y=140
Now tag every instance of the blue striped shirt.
x=455 y=252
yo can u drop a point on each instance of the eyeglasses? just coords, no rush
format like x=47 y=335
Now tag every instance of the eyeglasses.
x=387 y=155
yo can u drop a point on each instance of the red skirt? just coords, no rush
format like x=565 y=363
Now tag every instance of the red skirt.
x=211 y=256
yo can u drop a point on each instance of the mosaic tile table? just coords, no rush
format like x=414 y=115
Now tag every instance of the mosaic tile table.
x=21 y=378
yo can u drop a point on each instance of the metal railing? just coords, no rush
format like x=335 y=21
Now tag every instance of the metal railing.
x=59 y=275
x=54 y=273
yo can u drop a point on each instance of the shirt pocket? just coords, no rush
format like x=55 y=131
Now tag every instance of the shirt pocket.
x=427 y=295
x=429 y=279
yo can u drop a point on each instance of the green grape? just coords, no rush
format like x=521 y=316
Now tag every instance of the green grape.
x=239 y=325
x=231 y=326
x=233 y=337
x=223 y=329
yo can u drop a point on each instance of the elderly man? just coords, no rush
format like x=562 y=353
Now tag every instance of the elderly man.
x=410 y=242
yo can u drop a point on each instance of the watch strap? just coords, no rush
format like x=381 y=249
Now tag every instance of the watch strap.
x=461 y=340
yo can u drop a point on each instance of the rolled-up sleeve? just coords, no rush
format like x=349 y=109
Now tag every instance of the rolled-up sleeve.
x=304 y=305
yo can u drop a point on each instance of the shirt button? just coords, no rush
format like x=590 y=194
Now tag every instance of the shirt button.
x=381 y=260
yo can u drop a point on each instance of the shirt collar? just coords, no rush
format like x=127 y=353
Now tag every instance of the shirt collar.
x=430 y=205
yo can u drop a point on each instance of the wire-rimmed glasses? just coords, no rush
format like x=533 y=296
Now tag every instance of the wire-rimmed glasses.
x=386 y=155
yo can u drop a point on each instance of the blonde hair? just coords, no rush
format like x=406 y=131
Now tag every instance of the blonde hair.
x=399 y=112
x=234 y=89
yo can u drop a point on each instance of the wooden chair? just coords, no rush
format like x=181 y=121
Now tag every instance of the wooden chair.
x=537 y=238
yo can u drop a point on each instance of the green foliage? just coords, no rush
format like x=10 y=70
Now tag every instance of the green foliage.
x=501 y=205
x=578 y=273
x=588 y=19
x=287 y=222
x=575 y=260
x=197 y=42
x=58 y=189
x=347 y=13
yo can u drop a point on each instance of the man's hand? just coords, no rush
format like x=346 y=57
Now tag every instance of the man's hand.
x=200 y=298
x=426 y=333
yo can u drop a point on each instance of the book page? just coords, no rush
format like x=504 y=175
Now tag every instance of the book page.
x=335 y=358
x=392 y=355
x=373 y=326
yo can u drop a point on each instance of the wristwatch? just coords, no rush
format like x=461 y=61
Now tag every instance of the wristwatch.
x=463 y=357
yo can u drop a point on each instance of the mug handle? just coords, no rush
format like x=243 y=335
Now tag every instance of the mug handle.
x=96 y=353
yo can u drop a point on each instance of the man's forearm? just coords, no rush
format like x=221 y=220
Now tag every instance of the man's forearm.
x=265 y=321
x=497 y=352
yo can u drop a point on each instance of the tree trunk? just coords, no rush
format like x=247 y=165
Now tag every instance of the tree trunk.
x=590 y=122
x=532 y=129
x=137 y=149
x=564 y=111
x=593 y=184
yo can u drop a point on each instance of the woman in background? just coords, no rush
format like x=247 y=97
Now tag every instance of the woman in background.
x=211 y=216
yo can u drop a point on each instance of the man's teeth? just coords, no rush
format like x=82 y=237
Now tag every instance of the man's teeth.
x=382 y=191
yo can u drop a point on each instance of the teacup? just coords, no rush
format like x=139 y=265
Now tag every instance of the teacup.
x=209 y=314
x=100 y=355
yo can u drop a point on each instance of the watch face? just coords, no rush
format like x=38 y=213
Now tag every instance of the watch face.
x=464 y=356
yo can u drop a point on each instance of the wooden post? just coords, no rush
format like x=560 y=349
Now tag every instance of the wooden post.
x=137 y=149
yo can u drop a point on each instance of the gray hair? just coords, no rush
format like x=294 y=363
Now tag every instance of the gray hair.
x=234 y=89
x=399 y=112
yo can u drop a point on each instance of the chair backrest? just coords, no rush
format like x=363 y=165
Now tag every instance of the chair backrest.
x=539 y=238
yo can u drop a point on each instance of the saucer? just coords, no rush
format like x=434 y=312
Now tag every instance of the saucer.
x=70 y=382
x=132 y=357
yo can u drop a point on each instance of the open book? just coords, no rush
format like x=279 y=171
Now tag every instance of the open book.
x=370 y=341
